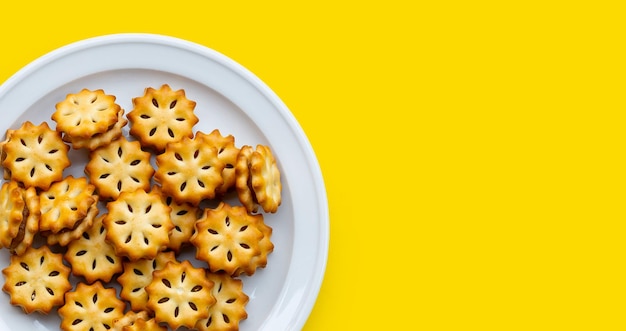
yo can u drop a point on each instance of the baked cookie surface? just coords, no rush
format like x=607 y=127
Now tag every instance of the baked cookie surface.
x=86 y=113
x=90 y=308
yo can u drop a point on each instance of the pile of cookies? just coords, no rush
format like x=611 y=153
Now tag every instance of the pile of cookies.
x=127 y=221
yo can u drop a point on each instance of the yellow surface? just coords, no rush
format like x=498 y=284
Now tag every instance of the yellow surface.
x=473 y=152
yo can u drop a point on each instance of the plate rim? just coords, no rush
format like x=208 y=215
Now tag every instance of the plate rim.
x=308 y=299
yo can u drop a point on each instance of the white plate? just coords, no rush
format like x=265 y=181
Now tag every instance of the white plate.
x=229 y=98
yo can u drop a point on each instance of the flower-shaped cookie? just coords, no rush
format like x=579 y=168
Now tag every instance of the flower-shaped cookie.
x=162 y=116
x=227 y=152
x=184 y=217
x=258 y=179
x=90 y=308
x=99 y=139
x=34 y=155
x=37 y=280
x=65 y=203
x=230 y=306
x=86 y=113
x=91 y=256
x=138 y=224
x=119 y=167
x=189 y=171
x=227 y=238
x=180 y=295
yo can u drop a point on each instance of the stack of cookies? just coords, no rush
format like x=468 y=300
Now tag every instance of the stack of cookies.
x=140 y=205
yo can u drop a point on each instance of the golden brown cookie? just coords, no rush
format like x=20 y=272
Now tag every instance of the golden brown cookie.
x=227 y=152
x=91 y=256
x=138 y=224
x=162 y=116
x=180 y=295
x=128 y=319
x=34 y=155
x=11 y=206
x=119 y=167
x=184 y=217
x=30 y=222
x=258 y=179
x=137 y=275
x=227 y=238
x=90 y=308
x=99 y=139
x=37 y=280
x=86 y=113
x=230 y=306
x=65 y=236
x=65 y=203
x=189 y=171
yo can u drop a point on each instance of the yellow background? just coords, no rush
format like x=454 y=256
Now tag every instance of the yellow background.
x=473 y=152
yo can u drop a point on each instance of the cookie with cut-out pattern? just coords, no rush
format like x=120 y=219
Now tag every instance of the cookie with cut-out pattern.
x=119 y=167
x=227 y=238
x=65 y=236
x=266 y=246
x=138 y=224
x=65 y=203
x=137 y=275
x=37 y=280
x=258 y=179
x=180 y=295
x=86 y=113
x=189 y=171
x=184 y=217
x=90 y=308
x=162 y=116
x=11 y=216
x=230 y=304
x=91 y=256
x=34 y=155
x=29 y=226
x=99 y=139
x=227 y=152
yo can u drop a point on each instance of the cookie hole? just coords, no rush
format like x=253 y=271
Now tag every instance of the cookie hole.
x=229 y=166
x=51 y=197
x=177 y=228
x=243 y=228
x=77 y=321
x=182 y=277
x=41 y=260
x=78 y=122
x=180 y=119
x=148 y=209
x=23 y=142
x=40 y=139
x=93 y=99
x=120 y=222
x=226 y=319
x=74 y=208
x=231 y=300
x=219 y=288
x=135 y=162
x=33 y=295
x=105 y=160
x=178 y=157
x=196 y=288
x=135 y=290
x=144 y=116
x=137 y=272
x=214 y=248
x=104 y=176
x=78 y=304
x=20 y=159
x=229 y=256
x=93 y=265
x=48 y=167
x=135 y=180
x=145 y=240
x=155 y=103
x=52 y=151
x=211 y=231
x=170 y=132
x=196 y=153
x=209 y=321
x=130 y=208
x=91 y=329
x=20 y=283
x=50 y=291
x=81 y=253
x=166 y=283
x=176 y=312
x=193 y=306
x=171 y=173
x=86 y=235
x=173 y=104
x=182 y=212
x=156 y=226
x=154 y=264
x=152 y=132
x=119 y=151
x=201 y=183
x=207 y=167
x=163 y=300
x=244 y=246
x=108 y=310
x=227 y=221
x=25 y=266
x=128 y=239
x=106 y=326
x=32 y=172
x=183 y=186
x=94 y=298
x=53 y=274
x=119 y=185
x=168 y=200
x=102 y=229
x=110 y=259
